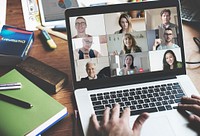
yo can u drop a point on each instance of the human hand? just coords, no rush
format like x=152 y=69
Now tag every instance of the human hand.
x=191 y=104
x=114 y=125
x=115 y=52
x=156 y=43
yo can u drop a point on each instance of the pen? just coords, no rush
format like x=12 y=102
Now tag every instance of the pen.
x=48 y=39
x=15 y=101
x=10 y=86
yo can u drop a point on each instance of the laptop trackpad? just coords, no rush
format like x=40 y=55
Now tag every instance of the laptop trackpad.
x=157 y=126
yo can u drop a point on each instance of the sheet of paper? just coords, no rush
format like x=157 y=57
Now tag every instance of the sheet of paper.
x=31 y=14
x=3 y=12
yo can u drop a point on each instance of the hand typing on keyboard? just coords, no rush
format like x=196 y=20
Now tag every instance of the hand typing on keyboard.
x=116 y=125
x=191 y=104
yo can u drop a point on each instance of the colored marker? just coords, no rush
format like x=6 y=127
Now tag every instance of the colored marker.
x=48 y=39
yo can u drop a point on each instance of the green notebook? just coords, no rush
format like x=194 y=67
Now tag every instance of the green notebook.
x=18 y=121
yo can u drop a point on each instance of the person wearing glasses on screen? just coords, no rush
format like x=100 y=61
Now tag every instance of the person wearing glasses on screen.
x=125 y=24
x=85 y=52
x=170 y=61
x=165 y=15
x=81 y=25
x=168 y=41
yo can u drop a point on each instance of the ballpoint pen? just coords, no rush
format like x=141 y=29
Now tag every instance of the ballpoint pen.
x=15 y=101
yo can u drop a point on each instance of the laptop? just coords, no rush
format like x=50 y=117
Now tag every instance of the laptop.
x=51 y=12
x=147 y=88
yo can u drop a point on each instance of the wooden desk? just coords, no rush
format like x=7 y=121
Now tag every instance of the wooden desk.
x=59 y=59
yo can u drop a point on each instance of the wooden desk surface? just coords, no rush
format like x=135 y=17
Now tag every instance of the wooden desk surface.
x=59 y=59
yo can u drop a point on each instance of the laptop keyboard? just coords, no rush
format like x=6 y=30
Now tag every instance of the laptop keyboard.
x=143 y=99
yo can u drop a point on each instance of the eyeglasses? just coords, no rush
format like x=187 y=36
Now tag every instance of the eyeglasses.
x=81 y=23
x=168 y=33
x=88 y=42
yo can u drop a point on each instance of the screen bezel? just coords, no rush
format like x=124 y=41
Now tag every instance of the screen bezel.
x=137 y=78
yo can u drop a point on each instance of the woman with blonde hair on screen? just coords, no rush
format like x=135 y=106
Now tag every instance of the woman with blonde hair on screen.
x=129 y=44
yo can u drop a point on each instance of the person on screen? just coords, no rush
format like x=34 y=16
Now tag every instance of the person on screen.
x=81 y=25
x=170 y=62
x=128 y=67
x=86 y=52
x=129 y=45
x=91 y=72
x=165 y=19
x=118 y=125
x=125 y=24
x=168 y=43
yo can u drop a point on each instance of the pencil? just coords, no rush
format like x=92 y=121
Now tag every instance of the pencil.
x=58 y=34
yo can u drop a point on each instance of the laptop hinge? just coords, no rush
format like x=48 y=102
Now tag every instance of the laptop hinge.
x=134 y=82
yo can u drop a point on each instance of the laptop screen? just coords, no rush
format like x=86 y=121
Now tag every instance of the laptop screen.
x=125 y=43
